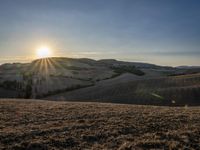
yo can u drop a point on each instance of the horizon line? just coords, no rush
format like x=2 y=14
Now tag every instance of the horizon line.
x=23 y=59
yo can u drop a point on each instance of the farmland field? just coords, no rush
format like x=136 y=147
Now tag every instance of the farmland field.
x=30 y=124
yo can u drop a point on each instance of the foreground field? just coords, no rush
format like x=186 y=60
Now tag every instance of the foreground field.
x=31 y=124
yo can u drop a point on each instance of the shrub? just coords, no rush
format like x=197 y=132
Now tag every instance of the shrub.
x=129 y=69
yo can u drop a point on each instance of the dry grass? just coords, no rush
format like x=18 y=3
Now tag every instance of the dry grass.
x=31 y=124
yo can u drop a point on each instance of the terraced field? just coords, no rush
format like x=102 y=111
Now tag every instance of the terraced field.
x=31 y=124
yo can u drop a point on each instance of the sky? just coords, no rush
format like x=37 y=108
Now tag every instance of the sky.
x=163 y=32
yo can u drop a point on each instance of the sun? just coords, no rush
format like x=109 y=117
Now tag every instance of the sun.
x=44 y=52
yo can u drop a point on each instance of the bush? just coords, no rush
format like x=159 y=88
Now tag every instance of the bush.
x=129 y=69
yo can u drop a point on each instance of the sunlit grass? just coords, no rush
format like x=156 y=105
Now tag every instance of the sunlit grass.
x=157 y=96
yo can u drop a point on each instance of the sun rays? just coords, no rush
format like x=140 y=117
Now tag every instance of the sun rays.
x=44 y=73
x=46 y=67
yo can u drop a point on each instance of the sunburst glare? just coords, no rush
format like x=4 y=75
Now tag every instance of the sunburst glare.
x=44 y=52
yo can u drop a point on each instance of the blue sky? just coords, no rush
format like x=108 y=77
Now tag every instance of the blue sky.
x=165 y=32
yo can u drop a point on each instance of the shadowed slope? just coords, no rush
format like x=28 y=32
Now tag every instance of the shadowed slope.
x=178 y=90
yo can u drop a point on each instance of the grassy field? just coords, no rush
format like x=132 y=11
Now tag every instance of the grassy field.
x=30 y=124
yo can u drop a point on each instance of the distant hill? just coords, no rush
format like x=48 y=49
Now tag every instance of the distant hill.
x=105 y=80
x=188 y=67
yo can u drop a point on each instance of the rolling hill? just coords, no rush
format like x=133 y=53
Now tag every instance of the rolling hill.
x=105 y=80
x=128 y=88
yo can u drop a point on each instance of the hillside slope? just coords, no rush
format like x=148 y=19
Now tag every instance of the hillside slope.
x=29 y=124
x=35 y=79
x=101 y=81
x=128 y=88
